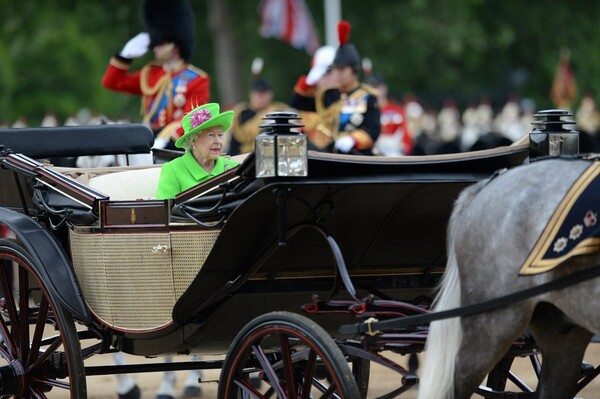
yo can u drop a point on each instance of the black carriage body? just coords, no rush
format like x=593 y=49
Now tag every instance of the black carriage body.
x=389 y=223
x=386 y=217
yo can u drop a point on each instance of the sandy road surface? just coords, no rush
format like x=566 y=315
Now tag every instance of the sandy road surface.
x=382 y=380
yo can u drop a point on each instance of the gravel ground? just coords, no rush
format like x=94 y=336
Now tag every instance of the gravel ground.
x=382 y=380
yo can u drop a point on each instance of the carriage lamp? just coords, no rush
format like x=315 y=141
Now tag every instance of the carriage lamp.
x=550 y=138
x=280 y=149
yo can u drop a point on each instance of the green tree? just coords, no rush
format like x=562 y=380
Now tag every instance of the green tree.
x=53 y=54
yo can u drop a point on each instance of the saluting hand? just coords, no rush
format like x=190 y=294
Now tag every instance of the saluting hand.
x=137 y=46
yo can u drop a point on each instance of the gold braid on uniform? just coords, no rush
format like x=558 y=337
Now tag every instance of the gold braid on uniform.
x=329 y=117
x=164 y=83
x=245 y=133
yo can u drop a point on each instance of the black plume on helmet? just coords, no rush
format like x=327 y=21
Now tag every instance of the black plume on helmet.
x=170 y=21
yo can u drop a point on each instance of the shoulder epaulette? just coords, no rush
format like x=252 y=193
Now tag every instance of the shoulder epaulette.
x=197 y=70
x=369 y=89
x=153 y=64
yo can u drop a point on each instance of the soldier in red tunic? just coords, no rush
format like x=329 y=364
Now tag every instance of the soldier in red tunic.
x=170 y=87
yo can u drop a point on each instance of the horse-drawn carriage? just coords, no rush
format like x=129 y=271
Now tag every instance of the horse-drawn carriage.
x=92 y=264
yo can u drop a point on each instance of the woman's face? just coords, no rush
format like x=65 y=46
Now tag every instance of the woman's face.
x=208 y=145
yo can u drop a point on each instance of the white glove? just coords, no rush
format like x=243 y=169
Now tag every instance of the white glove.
x=136 y=46
x=344 y=143
x=160 y=143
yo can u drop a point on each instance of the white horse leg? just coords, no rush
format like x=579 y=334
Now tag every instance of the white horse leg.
x=167 y=385
x=191 y=386
x=562 y=346
x=167 y=389
x=126 y=386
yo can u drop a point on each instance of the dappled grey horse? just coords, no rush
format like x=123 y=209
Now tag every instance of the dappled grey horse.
x=494 y=226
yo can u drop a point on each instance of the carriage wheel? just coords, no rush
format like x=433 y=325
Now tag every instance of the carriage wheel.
x=40 y=354
x=293 y=357
x=361 y=370
x=501 y=375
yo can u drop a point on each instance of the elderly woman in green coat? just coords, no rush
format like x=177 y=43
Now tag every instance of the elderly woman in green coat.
x=203 y=129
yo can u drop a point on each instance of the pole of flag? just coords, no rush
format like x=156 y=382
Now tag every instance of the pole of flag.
x=333 y=15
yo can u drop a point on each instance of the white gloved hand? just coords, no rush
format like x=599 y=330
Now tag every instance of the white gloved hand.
x=344 y=143
x=137 y=46
x=312 y=80
x=160 y=143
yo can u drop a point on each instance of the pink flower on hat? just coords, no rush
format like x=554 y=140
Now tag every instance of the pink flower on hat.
x=199 y=117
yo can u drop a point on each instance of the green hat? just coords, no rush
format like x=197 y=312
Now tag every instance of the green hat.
x=203 y=117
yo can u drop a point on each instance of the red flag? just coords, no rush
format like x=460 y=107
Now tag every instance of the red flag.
x=564 y=86
x=290 y=21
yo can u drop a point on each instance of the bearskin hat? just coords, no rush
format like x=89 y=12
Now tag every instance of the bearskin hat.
x=170 y=21
x=346 y=54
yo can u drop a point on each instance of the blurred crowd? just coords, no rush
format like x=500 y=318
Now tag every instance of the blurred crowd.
x=425 y=130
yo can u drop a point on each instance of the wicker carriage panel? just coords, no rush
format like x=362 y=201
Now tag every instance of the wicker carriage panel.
x=87 y=249
x=189 y=251
x=132 y=281
x=140 y=279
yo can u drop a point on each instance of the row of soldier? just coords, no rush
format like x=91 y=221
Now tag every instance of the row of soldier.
x=407 y=127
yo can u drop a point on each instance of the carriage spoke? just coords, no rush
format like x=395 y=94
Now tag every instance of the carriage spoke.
x=288 y=366
x=518 y=382
x=53 y=383
x=309 y=372
x=248 y=391
x=49 y=351
x=39 y=331
x=10 y=352
x=537 y=367
x=5 y=355
x=23 y=313
x=9 y=306
x=328 y=392
x=268 y=369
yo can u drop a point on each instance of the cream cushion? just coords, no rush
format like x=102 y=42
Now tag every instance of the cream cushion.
x=128 y=185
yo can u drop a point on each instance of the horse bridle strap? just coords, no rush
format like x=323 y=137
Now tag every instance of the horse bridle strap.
x=468 y=310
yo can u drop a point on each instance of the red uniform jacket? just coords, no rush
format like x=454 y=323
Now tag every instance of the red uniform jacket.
x=166 y=97
x=393 y=121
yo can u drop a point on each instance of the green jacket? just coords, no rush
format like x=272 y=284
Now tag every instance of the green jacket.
x=184 y=172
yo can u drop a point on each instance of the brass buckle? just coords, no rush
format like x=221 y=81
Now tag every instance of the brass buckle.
x=369 y=322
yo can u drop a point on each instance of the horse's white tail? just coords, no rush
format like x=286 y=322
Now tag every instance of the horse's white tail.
x=443 y=340
x=445 y=336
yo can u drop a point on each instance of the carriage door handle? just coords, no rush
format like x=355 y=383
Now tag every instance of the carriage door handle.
x=160 y=249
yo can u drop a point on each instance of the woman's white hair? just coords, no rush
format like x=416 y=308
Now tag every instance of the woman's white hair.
x=187 y=144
